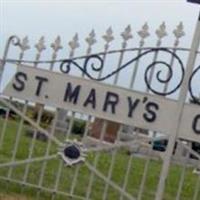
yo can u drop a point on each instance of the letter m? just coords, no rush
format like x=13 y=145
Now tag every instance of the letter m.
x=71 y=94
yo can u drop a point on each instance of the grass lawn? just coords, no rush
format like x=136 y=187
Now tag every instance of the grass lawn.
x=12 y=190
x=14 y=197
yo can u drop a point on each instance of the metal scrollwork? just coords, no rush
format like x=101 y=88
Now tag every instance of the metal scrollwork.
x=167 y=78
x=95 y=68
x=194 y=98
x=65 y=67
x=14 y=40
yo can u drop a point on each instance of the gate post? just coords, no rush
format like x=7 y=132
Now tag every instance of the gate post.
x=175 y=129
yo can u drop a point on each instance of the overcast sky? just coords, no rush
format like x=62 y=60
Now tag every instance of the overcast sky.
x=66 y=17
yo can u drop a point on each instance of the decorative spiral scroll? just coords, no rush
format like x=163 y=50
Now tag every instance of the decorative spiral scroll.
x=65 y=67
x=166 y=79
x=95 y=68
x=14 y=40
x=194 y=98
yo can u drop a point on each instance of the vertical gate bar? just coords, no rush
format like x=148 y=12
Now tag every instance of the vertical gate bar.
x=176 y=126
x=5 y=123
x=181 y=182
x=18 y=134
x=14 y=40
x=59 y=173
x=3 y=130
x=17 y=140
x=142 y=184
x=44 y=164
x=171 y=64
x=55 y=46
x=126 y=35
x=40 y=47
x=96 y=159
x=176 y=43
x=165 y=89
x=61 y=164
x=197 y=187
x=147 y=163
x=73 y=45
x=71 y=122
x=143 y=34
x=91 y=40
x=110 y=171
x=31 y=149
x=128 y=171
x=75 y=178
x=108 y=38
x=161 y=32
x=135 y=69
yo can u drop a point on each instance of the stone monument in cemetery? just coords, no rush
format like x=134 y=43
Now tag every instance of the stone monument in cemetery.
x=62 y=123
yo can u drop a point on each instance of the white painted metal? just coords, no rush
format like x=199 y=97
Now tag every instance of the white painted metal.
x=55 y=91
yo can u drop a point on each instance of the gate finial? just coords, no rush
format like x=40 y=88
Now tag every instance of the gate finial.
x=179 y=32
x=91 y=38
x=126 y=34
x=24 y=44
x=74 y=42
x=143 y=33
x=56 y=45
x=40 y=46
x=161 y=31
x=108 y=37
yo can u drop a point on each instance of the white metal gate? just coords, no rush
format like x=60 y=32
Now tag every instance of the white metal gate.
x=41 y=157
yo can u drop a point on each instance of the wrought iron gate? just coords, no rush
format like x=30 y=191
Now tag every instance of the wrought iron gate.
x=41 y=155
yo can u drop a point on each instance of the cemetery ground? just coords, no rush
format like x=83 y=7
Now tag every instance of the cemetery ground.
x=13 y=189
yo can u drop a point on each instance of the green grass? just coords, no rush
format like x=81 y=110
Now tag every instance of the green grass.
x=67 y=174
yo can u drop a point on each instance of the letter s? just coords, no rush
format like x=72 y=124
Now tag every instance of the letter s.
x=20 y=78
x=151 y=108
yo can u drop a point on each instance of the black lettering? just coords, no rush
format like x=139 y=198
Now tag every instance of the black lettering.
x=41 y=80
x=70 y=94
x=150 y=115
x=91 y=99
x=111 y=100
x=195 y=123
x=20 y=78
x=132 y=105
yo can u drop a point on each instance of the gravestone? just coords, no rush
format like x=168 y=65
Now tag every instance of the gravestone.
x=62 y=122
